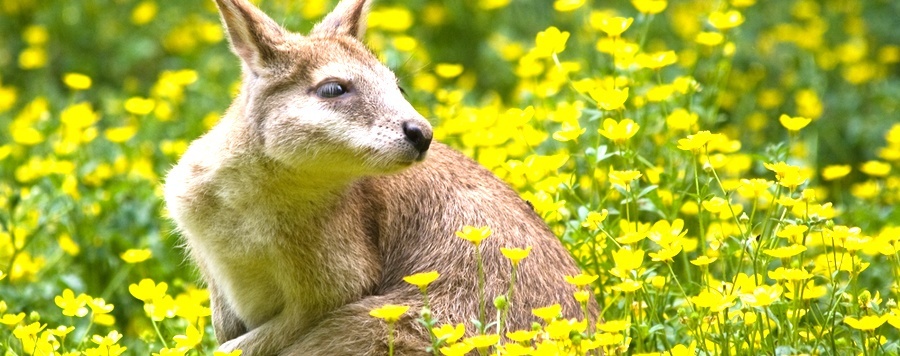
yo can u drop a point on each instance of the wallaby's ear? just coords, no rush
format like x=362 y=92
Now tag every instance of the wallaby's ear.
x=348 y=19
x=253 y=35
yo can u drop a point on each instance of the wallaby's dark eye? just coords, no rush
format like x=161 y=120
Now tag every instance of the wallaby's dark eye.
x=330 y=90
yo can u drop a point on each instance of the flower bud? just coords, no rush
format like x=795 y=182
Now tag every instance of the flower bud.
x=501 y=303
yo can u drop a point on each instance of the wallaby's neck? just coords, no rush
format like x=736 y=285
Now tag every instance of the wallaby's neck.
x=249 y=177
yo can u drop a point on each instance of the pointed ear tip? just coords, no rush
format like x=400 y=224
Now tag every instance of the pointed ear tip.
x=347 y=18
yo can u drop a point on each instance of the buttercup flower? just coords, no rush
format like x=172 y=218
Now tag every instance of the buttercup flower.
x=515 y=255
x=449 y=333
x=610 y=99
x=726 y=20
x=793 y=124
x=550 y=41
x=581 y=279
x=548 y=313
x=389 y=312
x=619 y=131
x=649 y=7
x=422 y=280
x=834 y=172
x=866 y=323
x=614 y=26
x=474 y=234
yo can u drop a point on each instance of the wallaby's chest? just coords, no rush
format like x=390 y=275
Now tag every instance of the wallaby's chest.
x=270 y=259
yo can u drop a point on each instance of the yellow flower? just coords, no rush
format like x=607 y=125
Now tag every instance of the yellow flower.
x=99 y=306
x=667 y=253
x=72 y=305
x=785 y=251
x=681 y=119
x=474 y=234
x=696 y=141
x=626 y=260
x=139 y=106
x=876 y=168
x=714 y=300
x=422 y=280
x=449 y=333
x=61 y=331
x=548 y=313
x=160 y=308
x=866 y=323
x=144 y=12
x=550 y=41
x=649 y=7
x=703 y=260
x=28 y=332
x=13 y=319
x=787 y=175
x=191 y=338
x=136 y=255
x=483 y=341
x=457 y=349
x=726 y=20
x=570 y=131
x=515 y=255
x=614 y=326
x=77 y=81
x=594 y=219
x=789 y=274
x=709 y=38
x=628 y=285
x=754 y=187
x=610 y=99
x=110 y=339
x=582 y=296
x=393 y=19
x=808 y=291
x=32 y=58
x=177 y=351
x=25 y=134
x=762 y=296
x=522 y=335
x=390 y=313
x=793 y=124
x=581 y=279
x=619 y=131
x=448 y=70
x=623 y=178
x=656 y=60
x=121 y=134
x=834 y=172
x=614 y=26
x=715 y=205
x=567 y=5
x=148 y=291
x=78 y=116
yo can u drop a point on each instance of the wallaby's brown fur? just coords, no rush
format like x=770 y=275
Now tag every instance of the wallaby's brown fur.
x=306 y=205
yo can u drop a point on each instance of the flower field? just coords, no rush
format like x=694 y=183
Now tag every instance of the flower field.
x=727 y=174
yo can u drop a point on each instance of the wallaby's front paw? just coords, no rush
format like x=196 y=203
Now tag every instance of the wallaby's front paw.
x=230 y=345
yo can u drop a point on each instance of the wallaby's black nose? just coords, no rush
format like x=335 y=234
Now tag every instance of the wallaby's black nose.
x=419 y=138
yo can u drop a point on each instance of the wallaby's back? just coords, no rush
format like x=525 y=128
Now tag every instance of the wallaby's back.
x=416 y=214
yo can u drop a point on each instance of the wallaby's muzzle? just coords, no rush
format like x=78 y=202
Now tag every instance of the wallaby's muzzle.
x=418 y=136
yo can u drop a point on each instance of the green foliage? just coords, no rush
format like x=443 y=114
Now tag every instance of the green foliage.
x=729 y=172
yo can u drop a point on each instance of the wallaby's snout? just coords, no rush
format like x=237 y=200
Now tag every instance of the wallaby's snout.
x=418 y=136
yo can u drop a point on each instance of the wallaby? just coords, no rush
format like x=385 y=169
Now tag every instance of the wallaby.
x=307 y=204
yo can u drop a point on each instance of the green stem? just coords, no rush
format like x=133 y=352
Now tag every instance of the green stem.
x=481 y=309
x=158 y=333
x=390 y=338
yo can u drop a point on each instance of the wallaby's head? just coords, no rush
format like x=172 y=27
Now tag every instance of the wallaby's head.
x=322 y=101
